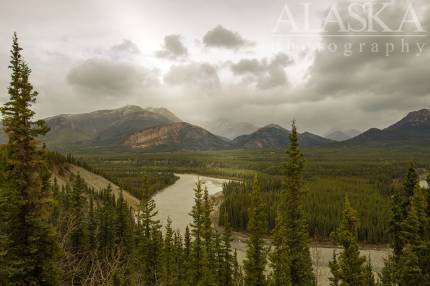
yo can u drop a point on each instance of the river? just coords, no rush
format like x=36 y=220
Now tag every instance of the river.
x=177 y=200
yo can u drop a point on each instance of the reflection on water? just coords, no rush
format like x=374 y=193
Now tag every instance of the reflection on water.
x=176 y=201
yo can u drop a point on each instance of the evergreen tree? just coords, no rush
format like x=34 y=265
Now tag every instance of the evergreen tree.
x=92 y=224
x=79 y=235
x=208 y=231
x=197 y=232
x=180 y=269
x=237 y=271
x=400 y=209
x=32 y=247
x=123 y=223
x=106 y=235
x=369 y=278
x=414 y=268
x=349 y=270
x=296 y=230
x=168 y=256
x=335 y=270
x=149 y=239
x=279 y=257
x=256 y=253
x=227 y=262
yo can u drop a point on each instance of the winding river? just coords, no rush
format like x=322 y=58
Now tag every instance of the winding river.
x=177 y=200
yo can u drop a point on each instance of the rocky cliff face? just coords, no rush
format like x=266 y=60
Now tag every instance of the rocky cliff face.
x=176 y=136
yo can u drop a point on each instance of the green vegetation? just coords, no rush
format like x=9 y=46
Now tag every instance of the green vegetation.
x=74 y=235
x=29 y=245
x=348 y=268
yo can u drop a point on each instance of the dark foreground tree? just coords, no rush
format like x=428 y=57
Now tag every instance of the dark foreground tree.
x=294 y=220
x=348 y=267
x=256 y=252
x=31 y=242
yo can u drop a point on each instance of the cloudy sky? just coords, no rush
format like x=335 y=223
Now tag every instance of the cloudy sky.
x=233 y=59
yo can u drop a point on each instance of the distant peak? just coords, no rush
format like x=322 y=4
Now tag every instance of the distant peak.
x=419 y=115
x=130 y=106
x=274 y=126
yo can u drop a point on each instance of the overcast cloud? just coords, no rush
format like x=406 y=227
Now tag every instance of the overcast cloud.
x=214 y=59
x=173 y=48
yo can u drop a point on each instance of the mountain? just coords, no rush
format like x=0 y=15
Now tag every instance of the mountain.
x=275 y=136
x=228 y=129
x=103 y=127
x=342 y=135
x=413 y=129
x=176 y=136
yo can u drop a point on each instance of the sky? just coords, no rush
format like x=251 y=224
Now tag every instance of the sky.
x=240 y=60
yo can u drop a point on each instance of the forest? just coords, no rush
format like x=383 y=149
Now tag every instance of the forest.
x=75 y=235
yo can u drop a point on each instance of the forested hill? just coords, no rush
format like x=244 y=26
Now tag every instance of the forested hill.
x=65 y=173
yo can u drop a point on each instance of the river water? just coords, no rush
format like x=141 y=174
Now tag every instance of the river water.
x=176 y=202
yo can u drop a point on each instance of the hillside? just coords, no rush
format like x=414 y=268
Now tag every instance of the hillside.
x=275 y=136
x=176 y=136
x=413 y=129
x=103 y=127
x=342 y=135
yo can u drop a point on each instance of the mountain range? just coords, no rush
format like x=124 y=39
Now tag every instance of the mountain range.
x=339 y=135
x=158 y=129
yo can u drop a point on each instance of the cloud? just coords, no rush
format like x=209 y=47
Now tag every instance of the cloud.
x=126 y=46
x=202 y=76
x=384 y=81
x=220 y=37
x=107 y=77
x=265 y=74
x=173 y=48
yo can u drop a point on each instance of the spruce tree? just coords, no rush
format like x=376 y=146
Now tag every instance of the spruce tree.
x=149 y=239
x=256 y=252
x=237 y=271
x=197 y=232
x=123 y=223
x=279 y=257
x=414 y=262
x=168 y=259
x=227 y=263
x=79 y=235
x=369 y=278
x=400 y=209
x=32 y=247
x=335 y=271
x=349 y=269
x=296 y=229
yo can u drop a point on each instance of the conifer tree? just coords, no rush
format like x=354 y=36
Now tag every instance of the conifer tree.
x=256 y=253
x=349 y=268
x=123 y=223
x=180 y=269
x=168 y=256
x=237 y=271
x=279 y=257
x=149 y=238
x=92 y=224
x=369 y=278
x=413 y=266
x=208 y=231
x=227 y=262
x=197 y=232
x=296 y=229
x=401 y=204
x=32 y=246
x=79 y=235
x=334 y=269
